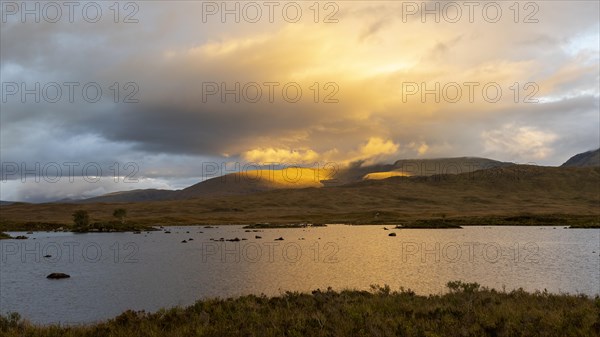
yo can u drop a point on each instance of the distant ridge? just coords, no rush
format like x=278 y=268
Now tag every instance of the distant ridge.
x=419 y=167
x=131 y=196
x=519 y=190
x=429 y=167
x=252 y=182
x=586 y=159
x=240 y=184
x=256 y=181
x=231 y=184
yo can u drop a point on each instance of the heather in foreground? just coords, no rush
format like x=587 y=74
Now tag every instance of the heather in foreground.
x=466 y=310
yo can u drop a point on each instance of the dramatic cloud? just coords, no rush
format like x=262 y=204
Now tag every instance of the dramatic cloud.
x=521 y=142
x=353 y=81
x=271 y=155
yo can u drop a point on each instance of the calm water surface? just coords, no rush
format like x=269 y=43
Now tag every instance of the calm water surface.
x=112 y=272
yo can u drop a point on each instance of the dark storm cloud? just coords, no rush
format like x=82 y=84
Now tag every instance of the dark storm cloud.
x=170 y=53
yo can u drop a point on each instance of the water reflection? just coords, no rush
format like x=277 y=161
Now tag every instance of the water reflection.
x=112 y=272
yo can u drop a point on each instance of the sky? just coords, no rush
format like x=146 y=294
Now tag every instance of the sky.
x=98 y=97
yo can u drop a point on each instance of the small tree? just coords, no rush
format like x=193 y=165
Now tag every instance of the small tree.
x=120 y=213
x=81 y=219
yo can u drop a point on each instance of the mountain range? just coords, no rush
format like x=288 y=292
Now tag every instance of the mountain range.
x=261 y=181
x=255 y=181
x=586 y=159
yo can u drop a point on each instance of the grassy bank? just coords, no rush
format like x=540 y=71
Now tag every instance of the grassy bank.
x=276 y=226
x=556 y=220
x=385 y=218
x=107 y=226
x=466 y=310
x=492 y=196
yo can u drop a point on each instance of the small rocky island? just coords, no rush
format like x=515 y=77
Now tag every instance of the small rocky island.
x=57 y=276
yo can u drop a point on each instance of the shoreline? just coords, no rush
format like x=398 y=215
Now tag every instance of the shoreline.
x=547 y=220
x=464 y=307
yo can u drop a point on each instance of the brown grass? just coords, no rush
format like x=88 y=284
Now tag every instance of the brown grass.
x=499 y=192
x=467 y=310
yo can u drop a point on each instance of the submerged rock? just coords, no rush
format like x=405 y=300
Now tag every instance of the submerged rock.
x=56 y=276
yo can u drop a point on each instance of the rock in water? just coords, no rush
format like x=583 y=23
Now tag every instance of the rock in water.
x=56 y=276
x=392 y=234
